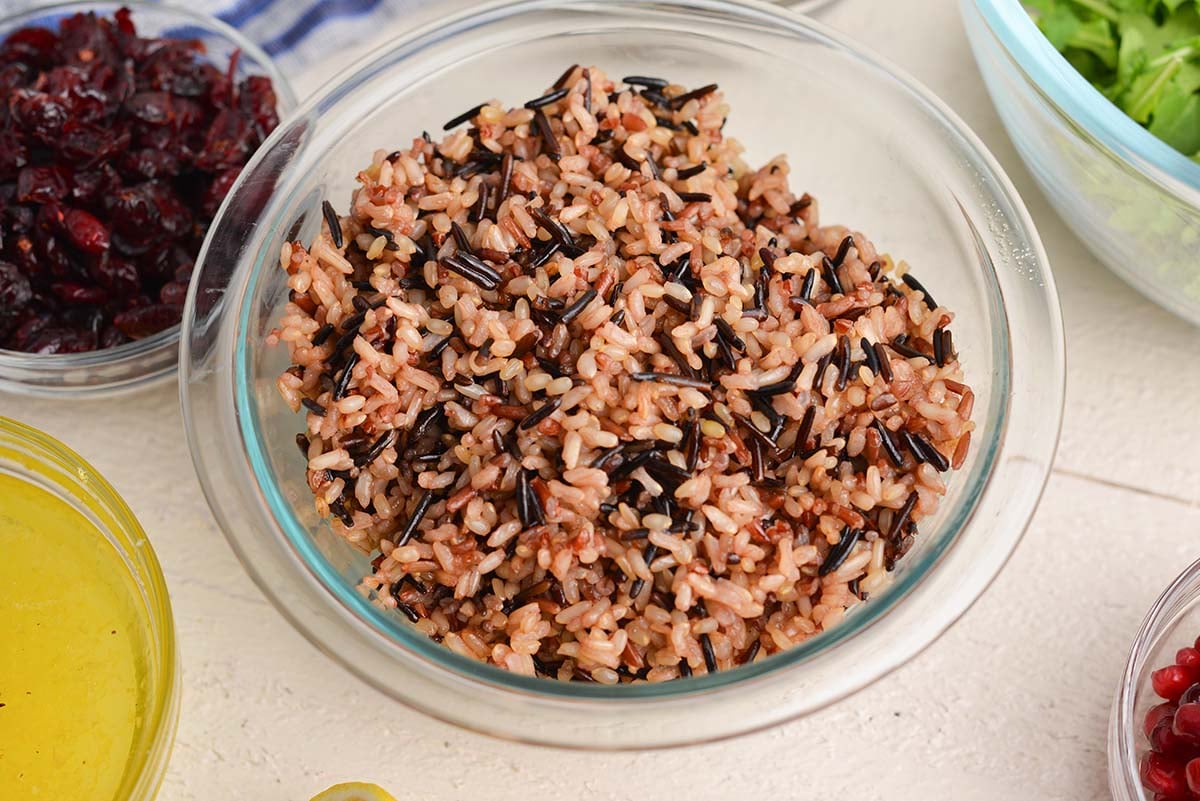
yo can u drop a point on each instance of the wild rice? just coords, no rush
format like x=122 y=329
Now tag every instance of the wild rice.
x=565 y=377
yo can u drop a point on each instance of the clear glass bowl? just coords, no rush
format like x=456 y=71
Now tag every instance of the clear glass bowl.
x=883 y=155
x=1131 y=198
x=143 y=361
x=36 y=458
x=1172 y=623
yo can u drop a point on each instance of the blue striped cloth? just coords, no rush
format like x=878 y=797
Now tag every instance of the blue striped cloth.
x=299 y=34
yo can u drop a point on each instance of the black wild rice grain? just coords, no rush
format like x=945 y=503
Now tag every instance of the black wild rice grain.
x=380 y=445
x=843 y=248
x=751 y=652
x=831 y=277
x=335 y=225
x=343 y=383
x=948 y=344
x=540 y=414
x=932 y=454
x=313 y=406
x=901 y=518
x=577 y=307
x=680 y=101
x=566 y=76
x=635 y=534
x=407 y=611
x=506 y=171
x=806 y=288
x=587 y=90
x=549 y=142
x=618 y=318
x=786 y=385
x=885 y=363
x=668 y=347
x=645 y=80
x=695 y=197
x=838 y=553
x=915 y=285
x=726 y=330
x=461 y=118
x=870 y=356
x=547 y=99
x=805 y=430
x=710 y=658
x=480 y=210
x=889 y=446
x=302 y=443
x=844 y=363
x=901 y=346
x=690 y=172
x=473 y=269
x=461 y=239
x=418 y=515
x=939 y=348
x=544 y=255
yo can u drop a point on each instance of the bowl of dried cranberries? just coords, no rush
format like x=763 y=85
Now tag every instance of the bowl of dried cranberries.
x=1154 y=734
x=122 y=129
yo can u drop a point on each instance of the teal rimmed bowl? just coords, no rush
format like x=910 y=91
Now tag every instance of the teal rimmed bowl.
x=1130 y=197
x=884 y=156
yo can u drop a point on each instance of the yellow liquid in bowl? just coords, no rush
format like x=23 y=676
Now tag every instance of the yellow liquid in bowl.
x=73 y=652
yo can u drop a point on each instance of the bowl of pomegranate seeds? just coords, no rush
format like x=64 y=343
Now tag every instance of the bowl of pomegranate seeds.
x=124 y=127
x=1154 y=736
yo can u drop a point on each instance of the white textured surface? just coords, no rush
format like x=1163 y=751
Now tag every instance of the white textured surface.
x=1012 y=704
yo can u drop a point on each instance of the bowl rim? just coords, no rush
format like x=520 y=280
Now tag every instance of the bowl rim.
x=168 y=338
x=481 y=675
x=1066 y=88
x=149 y=755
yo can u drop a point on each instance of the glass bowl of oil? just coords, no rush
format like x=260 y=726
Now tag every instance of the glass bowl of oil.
x=89 y=681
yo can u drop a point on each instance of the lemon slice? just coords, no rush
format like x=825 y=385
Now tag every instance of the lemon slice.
x=354 y=791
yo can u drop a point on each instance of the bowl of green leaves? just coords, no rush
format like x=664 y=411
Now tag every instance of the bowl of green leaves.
x=1102 y=100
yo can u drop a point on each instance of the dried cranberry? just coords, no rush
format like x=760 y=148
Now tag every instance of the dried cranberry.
x=15 y=294
x=13 y=155
x=92 y=186
x=150 y=163
x=173 y=294
x=61 y=340
x=256 y=99
x=147 y=320
x=227 y=143
x=218 y=189
x=86 y=232
x=86 y=143
x=78 y=294
x=116 y=274
x=42 y=184
x=41 y=115
x=115 y=152
x=34 y=46
x=152 y=108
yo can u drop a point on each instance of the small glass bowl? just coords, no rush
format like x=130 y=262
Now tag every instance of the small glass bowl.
x=141 y=362
x=1172 y=623
x=882 y=155
x=34 y=457
x=1130 y=197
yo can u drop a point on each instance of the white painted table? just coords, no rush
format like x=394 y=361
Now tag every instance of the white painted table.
x=1011 y=705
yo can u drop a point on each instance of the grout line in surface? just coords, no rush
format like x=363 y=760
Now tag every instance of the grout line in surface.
x=1191 y=503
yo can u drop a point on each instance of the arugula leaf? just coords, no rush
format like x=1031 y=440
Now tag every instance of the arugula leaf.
x=1143 y=55
x=1176 y=119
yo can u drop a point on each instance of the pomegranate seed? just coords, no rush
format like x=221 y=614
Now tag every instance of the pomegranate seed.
x=1157 y=715
x=1186 y=722
x=1188 y=658
x=1162 y=774
x=1192 y=773
x=1164 y=740
x=1191 y=695
x=1171 y=682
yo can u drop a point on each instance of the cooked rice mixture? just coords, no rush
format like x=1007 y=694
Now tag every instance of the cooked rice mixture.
x=606 y=403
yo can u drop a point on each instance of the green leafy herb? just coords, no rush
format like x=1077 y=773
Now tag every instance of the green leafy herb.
x=1143 y=55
